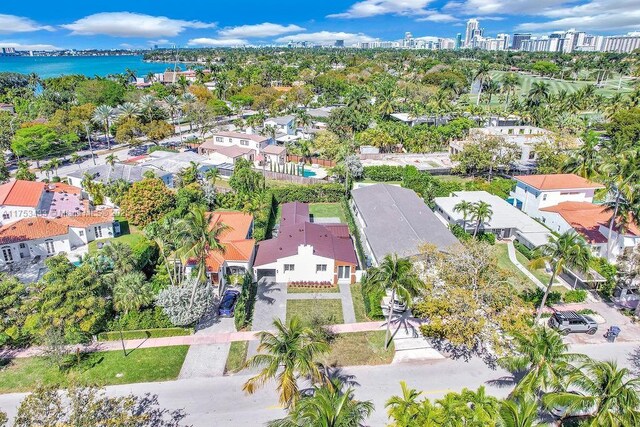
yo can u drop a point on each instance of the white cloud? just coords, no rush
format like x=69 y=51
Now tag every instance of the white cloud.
x=161 y=41
x=619 y=22
x=502 y=7
x=366 y=8
x=127 y=24
x=438 y=17
x=28 y=46
x=17 y=24
x=209 y=42
x=265 y=29
x=327 y=37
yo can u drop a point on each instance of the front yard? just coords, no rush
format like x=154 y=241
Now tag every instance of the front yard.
x=518 y=279
x=326 y=311
x=359 y=348
x=100 y=368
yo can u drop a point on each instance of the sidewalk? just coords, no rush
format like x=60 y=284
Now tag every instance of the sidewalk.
x=190 y=340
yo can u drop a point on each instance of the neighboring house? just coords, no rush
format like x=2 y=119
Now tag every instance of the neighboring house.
x=505 y=222
x=525 y=137
x=41 y=237
x=305 y=251
x=222 y=154
x=592 y=222
x=412 y=120
x=283 y=124
x=106 y=173
x=174 y=163
x=26 y=199
x=275 y=154
x=239 y=247
x=534 y=192
x=7 y=107
x=251 y=141
x=395 y=220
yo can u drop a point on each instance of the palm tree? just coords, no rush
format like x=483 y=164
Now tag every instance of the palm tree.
x=358 y=98
x=519 y=412
x=480 y=212
x=543 y=356
x=46 y=168
x=406 y=409
x=147 y=104
x=466 y=208
x=103 y=115
x=173 y=105
x=128 y=110
x=328 y=406
x=539 y=93
x=491 y=87
x=199 y=237
x=568 y=250
x=396 y=275
x=585 y=161
x=111 y=160
x=304 y=119
x=131 y=292
x=76 y=159
x=481 y=74
x=510 y=82
x=286 y=356
x=55 y=164
x=269 y=131
x=212 y=175
x=608 y=391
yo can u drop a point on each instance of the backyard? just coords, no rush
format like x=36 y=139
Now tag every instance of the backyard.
x=518 y=279
x=99 y=368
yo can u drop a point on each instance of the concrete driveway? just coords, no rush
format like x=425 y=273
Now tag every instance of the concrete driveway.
x=612 y=317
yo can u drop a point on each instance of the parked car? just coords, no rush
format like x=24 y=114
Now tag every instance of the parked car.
x=398 y=305
x=228 y=303
x=566 y=322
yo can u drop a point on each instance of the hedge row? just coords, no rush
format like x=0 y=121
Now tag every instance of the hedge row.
x=372 y=301
x=243 y=314
x=384 y=173
x=151 y=318
x=311 y=193
x=355 y=232
x=528 y=253
x=264 y=219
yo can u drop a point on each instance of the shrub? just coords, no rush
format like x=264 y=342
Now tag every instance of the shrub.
x=535 y=297
x=575 y=295
x=264 y=219
x=152 y=318
x=243 y=313
x=353 y=229
x=608 y=271
x=311 y=193
x=310 y=284
x=384 y=173
x=459 y=232
x=528 y=253
x=176 y=303
x=489 y=238
x=372 y=302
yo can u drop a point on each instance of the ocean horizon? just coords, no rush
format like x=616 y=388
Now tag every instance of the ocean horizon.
x=90 y=66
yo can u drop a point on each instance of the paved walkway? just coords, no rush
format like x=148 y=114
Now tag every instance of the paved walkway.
x=512 y=256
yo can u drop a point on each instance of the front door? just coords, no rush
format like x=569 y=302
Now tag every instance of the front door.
x=7 y=255
x=344 y=272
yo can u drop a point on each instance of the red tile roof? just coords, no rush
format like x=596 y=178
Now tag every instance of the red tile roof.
x=586 y=219
x=31 y=229
x=21 y=193
x=88 y=219
x=565 y=181
x=236 y=245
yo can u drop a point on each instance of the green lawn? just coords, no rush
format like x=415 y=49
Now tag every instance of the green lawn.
x=145 y=333
x=360 y=348
x=358 y=303
x=454 y=178
x=329 y=311
x=555 y=85
x=100 y=368
x=539 y=273
x=301 y=290
x=327 y=210
x=518 y=279
x=132 y=240
x=237 y=357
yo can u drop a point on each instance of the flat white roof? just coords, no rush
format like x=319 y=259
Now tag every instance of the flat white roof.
x=504 y=215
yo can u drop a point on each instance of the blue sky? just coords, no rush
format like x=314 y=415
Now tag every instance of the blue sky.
x=39 y=24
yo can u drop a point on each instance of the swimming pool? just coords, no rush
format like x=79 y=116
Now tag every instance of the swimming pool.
x=308 y=173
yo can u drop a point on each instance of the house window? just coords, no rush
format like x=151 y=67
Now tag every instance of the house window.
x=6 y=215
x=7 y=255
x=231 y=140
x=244 y=142
x=289 y=267
x=219 y=139
x=22 y=246
x=544 y=197
x=50 y=247
x=98 y=231
x=81 y=233
x=532 y=155
x=321 y=267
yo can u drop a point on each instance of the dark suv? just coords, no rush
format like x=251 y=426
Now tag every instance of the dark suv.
x=566 y=322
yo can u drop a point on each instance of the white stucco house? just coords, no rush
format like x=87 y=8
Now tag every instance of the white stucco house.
x=534 y=192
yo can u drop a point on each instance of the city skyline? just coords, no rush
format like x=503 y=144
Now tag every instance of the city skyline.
x=37 y=26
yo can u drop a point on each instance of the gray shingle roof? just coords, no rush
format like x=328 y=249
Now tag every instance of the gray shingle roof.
x=398 y=221
x=105 y=173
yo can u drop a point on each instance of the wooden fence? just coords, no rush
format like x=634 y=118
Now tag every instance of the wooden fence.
x=314 y=160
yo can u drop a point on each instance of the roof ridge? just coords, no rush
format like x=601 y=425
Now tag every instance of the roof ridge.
x=386 y=187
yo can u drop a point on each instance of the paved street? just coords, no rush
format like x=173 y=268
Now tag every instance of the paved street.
x=220 y=401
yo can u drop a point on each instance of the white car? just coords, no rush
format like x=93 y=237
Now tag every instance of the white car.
x=398 y=305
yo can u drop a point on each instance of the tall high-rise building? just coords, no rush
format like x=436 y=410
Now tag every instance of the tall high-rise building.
x=518 y=38
x=473 y=27
x=339 y=43
x=622 y=44
x=458 y=41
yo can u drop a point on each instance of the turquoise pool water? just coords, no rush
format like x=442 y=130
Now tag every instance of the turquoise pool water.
x=308 y=173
